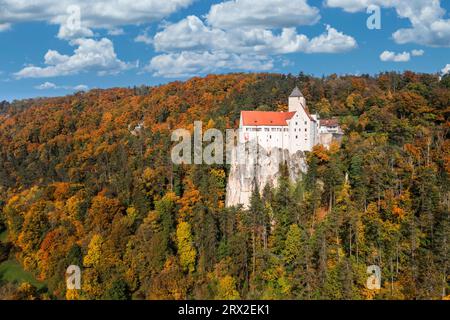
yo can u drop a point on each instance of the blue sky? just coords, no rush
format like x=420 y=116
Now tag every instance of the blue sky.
x=46 y=52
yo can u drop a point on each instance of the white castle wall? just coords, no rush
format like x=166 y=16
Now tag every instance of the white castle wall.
x=301 y=133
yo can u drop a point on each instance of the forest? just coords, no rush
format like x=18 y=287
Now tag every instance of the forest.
x=87 y=180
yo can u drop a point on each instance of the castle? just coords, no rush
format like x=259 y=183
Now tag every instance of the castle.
x=295 y=130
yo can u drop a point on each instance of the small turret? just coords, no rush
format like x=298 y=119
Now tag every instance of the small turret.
x=296 y=93
x=296 y=100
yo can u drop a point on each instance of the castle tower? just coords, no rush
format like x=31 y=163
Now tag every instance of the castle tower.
x=296 y=100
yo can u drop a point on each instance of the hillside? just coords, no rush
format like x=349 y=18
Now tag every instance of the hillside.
x=78 y=185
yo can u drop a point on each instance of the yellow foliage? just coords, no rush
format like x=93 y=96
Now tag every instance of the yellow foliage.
x=226 y=289
x=186 y=250
x=72 y=295
x=94 y=254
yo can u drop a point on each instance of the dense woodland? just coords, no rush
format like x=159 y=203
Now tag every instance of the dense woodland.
x=79 y=186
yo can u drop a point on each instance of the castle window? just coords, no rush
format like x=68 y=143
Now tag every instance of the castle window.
x=306 y=129
x=296 y=137
x=306 y=122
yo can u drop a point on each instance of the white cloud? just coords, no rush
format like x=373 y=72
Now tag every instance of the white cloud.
x=194 y=48
x=332 y=41
x=395 y=57
x=94 y=13
x=234 y=47
x=428 y=23
x=189 y=63
x=90 y=55
x=417 y=53
x=437 y=34
x=400 y=57
x=116 y=32
x=81 y=87
x=144 y=38
x=50 y=85
x=262 y=14
x=446 y=70
x=5 y=26
x=188 y=34
x=355 y=5
x=192 y=34
x=68 y=32
x=46 y=86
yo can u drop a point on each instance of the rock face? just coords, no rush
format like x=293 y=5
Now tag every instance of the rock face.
x=261 y=167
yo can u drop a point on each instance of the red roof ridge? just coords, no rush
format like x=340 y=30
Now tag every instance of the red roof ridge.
x=266 y=118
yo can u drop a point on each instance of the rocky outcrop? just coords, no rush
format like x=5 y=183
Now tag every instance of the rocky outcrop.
x=261 y=167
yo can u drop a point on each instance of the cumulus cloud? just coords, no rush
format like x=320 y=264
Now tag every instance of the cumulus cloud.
x=446 y=70
x=355 y=5
x=188 y=34
x=428 y=23
x=400 y=57
x=46 y=86
x=417 y=53
x=90 y=55
x=116 y=32
x=332 y=41
x=5 y=26
x=50 y=85
x=395 y=57
x=189 y=63
x=68 y=33
x=193 y=38
x=144 y=38
x=233 y=33
x=81 y=87
x=94 y=13
x=192 y=34
x=262 y=14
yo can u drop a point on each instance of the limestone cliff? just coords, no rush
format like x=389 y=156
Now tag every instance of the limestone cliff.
x=261 y=167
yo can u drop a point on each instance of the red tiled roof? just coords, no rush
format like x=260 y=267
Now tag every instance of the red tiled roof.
x=265 y=118
x=329 y=122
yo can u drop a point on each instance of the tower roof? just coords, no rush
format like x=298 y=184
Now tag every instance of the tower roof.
x=296 y=93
